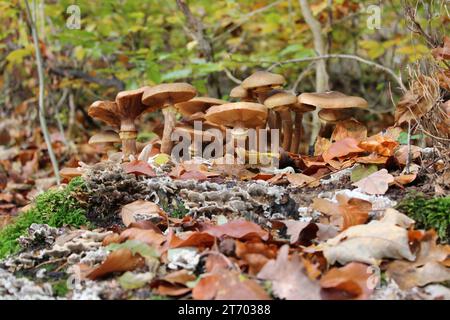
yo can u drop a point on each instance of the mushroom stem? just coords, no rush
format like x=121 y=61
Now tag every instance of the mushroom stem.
x=325 y=130
x=286 y=120
x=128 y=135
x=295 y=144
x=272 y=121
x=169 y=125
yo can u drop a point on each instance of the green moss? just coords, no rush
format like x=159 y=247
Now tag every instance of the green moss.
x=428 y=213
x=60 y=288
x=56 y=208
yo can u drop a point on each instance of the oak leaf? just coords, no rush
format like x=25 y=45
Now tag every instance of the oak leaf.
x=376 y=183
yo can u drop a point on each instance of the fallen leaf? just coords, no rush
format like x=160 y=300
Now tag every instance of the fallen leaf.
x=401 y=154
x=143 y=209
x=369 y=243
x=148 y=236
x=342 y=148
x=362 y=171
x=405 y=178
x=182 y=276
x=379 y=144
x=350 y=128
x=192 y=239
x=376 y=183
x=429 y=266
x=372 y=158
x=130 y=280
x=138 y=167
x=117 y=261
x=255 y=254
x=349 y=282
x=321 y=146
x=289 y=280
x=442 y=53
x=346 y=212
x=298 y=180
x=238 y=229
x=173 y=290
x=228 y=285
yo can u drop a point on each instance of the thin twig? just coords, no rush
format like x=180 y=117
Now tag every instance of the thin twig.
x=231 y=77
x=343 y=56
x=41 y=102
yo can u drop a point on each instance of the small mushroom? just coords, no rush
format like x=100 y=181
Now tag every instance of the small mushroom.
x=239 y=116
x=281 y=103
x=165 y=96
x=242 y=94
x=122 y=113
x=195 y=135
x=299 y=110
x=197 y=105
x=105 y=139
x=260 y=84
x=332 y=100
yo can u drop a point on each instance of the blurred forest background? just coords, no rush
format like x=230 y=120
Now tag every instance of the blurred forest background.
x=212 y=44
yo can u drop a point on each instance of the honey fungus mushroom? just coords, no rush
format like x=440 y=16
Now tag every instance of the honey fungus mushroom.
x=260 y=85
x=197 y=106
x=106 y=140
x=335 y=106
x=299 y=110
x=239 y=116
x=282 y=103
x=242 y=94
x=165 y=96
x=122 y=113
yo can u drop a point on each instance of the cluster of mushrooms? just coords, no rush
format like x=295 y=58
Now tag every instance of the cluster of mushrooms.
x=263 y=104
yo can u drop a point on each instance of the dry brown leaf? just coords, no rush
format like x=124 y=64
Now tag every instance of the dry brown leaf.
x=173 y=290
x=321 y=146
x=372 y=158
x=179 y=277
x=418 y=100
x=289 y=280
x=346 y=212
x=228 y=285
x=405 y=178
x=350 y=128
x=139 y=167
x=429 y=267
x=379 y=144
x=255 y=254
x=401 y=154
x=376 y=183
x=442 y=53
x=118 y=261
x=298 y=180
x=349 y=282
x=342 y=148
x=141 y=208
x=369 y=243
x=238 y=229
x=147 y=236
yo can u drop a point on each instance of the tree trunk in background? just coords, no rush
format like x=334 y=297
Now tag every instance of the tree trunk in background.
x=196 y=30
x=322 y=84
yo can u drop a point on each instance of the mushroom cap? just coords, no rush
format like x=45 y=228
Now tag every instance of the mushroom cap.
x=333 y=115
x=191 y=131
x=197 y=104
x=263 y=79
x=302 y=108
x=280 y=99
x=129 y=103
x=160 y=96
x=249 y=114
x=105 y=137
x=332 y=100
x=239 y=92
x=69 y=173
x=107 y=111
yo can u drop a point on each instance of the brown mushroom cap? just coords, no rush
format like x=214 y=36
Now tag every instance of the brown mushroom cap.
x=129 y=103
x=191 y=132
x=302 y=108
x=263 y=79
x=70 y=173
x=332 y=100
x=105 y=111
x=333 y=115
x=159 y=96
x=248 y=114
x=197 y=104
x=239 y=92
x=280 y=99
x=105 y=137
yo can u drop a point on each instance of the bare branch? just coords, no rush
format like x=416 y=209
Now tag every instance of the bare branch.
x=345 y=56
x=40 y=69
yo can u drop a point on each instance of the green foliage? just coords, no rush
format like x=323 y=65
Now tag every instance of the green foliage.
x=428 y=213
x=60 y=288
x=56 y=208
x=145 y=136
